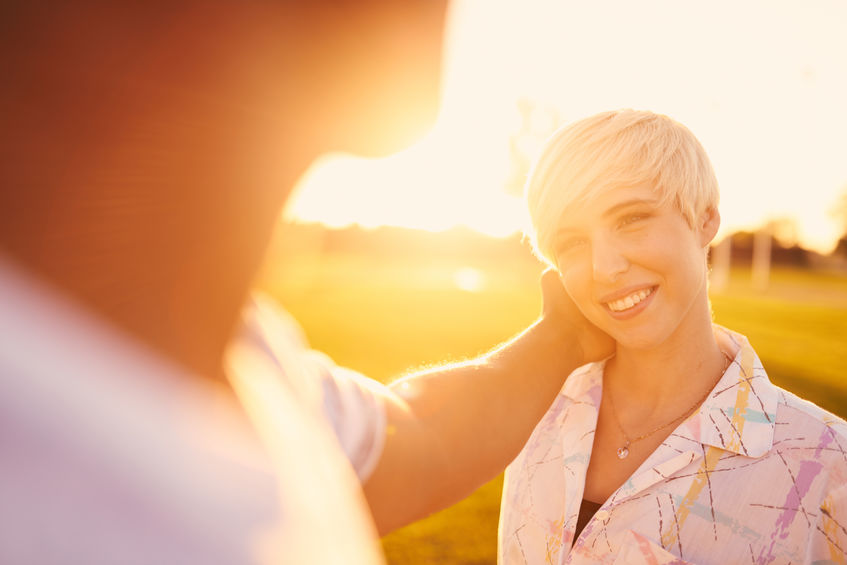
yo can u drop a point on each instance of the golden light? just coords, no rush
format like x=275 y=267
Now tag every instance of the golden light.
x=765 y=100
x=444 y=181
x=469 y=279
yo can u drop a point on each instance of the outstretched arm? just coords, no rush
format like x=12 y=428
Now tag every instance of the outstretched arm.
x=453 y=428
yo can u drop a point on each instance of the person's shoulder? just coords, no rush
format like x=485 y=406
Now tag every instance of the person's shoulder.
x=595 y=367
x=584 y=376
x=800 y=419
x=582 y=383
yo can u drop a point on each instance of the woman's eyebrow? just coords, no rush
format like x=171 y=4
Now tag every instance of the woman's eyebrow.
x=628 y=203
x=563 y=231
x=568 y=230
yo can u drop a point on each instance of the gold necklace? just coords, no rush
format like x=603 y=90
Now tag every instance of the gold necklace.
x=623 y=451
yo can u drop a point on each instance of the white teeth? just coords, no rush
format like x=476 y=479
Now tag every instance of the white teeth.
x=629 y=301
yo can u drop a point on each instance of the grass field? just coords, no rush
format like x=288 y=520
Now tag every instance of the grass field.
x=387 y=319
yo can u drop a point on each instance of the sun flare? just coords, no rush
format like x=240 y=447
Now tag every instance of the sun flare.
x=767 y=106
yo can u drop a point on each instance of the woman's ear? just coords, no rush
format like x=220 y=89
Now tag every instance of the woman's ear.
x=708 y=224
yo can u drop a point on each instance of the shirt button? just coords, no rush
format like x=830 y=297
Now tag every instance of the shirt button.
x=602 y=515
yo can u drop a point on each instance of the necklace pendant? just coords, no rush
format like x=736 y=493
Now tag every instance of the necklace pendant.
x=623 y=452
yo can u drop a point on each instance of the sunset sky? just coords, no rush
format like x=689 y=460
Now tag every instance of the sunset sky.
x=762 y=84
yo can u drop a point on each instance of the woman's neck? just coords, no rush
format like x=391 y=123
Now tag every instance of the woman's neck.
x=662 y=378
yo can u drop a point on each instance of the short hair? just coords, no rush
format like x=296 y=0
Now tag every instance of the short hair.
x=617 y=149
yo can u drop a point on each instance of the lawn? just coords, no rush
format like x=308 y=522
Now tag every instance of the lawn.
x=387 y=318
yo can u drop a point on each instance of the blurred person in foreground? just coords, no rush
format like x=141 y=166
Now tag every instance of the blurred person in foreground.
x=677 y=448
x=148 y=149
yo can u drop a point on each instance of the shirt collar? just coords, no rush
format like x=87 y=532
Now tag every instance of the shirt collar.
x=585 y=383
x=737 y=416
x=740 y=412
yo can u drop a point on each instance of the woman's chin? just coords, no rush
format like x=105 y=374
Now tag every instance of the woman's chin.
x=638 y=340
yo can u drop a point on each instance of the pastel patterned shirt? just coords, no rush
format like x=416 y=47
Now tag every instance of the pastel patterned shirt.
x=757 y=475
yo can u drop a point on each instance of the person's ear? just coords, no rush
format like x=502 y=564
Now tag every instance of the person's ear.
x=707 y=225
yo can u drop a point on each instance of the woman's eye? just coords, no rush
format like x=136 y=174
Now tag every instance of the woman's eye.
x=631 y=219
x=569 y=244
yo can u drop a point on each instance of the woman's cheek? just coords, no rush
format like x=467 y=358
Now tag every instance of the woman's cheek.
x=579 y=292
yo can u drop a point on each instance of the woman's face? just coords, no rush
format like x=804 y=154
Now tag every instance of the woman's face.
x=634 y=267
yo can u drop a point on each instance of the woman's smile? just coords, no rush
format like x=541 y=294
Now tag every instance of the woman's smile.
x=630 y=304
x=635 y=266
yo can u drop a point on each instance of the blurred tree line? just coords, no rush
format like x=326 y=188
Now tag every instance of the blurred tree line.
x=839 y=212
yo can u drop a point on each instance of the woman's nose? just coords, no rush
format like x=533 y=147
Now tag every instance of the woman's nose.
x=608 y=263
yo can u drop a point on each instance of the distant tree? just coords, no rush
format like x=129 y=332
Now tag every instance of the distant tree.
x=841 y=247
x=536 y=124
x=784 y=230
x=839 y=212
x=783 y=251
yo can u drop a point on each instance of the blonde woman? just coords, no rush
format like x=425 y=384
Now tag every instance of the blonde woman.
x=677 y=448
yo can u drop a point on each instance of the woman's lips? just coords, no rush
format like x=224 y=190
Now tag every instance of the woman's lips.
x=631 y=303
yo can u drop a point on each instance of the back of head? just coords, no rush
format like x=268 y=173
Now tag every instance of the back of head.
x=617 y=149
x=149 y=146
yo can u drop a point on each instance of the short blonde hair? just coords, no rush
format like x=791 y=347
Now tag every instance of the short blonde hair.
x=618 y=149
